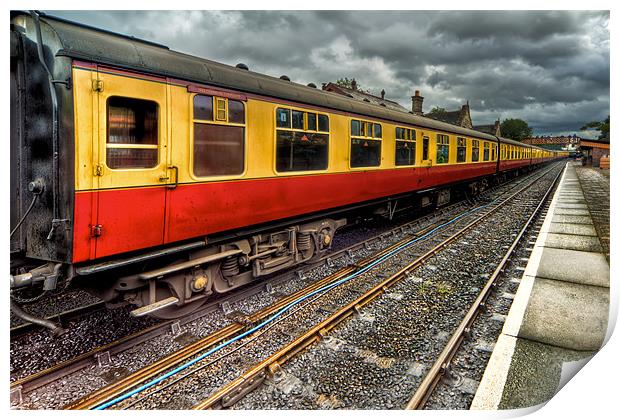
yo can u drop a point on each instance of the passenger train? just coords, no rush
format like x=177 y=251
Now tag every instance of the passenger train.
x=157 y=178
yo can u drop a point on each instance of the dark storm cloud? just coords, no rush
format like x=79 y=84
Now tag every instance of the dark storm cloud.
x=548 y=67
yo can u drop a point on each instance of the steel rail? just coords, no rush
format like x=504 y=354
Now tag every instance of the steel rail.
x=106 y=393
x=442 y=364
x=236 y=389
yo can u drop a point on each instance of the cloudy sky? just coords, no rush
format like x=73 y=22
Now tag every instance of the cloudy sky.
x=549 y=68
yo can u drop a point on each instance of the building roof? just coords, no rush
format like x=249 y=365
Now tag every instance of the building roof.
x=600 y=141
x=450 y=117
x=485 y=128
x=364 y=96
x=460 y=118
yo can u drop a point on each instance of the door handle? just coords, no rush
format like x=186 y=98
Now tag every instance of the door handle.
x=176 y=177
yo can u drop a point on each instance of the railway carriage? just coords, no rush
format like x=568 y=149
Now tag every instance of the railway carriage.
x=158 y=178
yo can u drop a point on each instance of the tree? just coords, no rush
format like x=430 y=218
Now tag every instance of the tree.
x=351 y=84
x=436 y=112
x=516 y=129
x=602 y=126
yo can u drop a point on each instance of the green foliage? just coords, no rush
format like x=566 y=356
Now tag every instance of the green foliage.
x=516 y=129
x=602 y=126
x=348 y=83
x=425 y=287
x=436 y=112
x=444 y=289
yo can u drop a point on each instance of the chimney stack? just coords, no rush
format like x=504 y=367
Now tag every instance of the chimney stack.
x=382 y=93
x=353 y=84
x=416 y=103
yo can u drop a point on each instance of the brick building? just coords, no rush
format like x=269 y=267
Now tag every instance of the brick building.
x=460 y=117
x=571 y=142
x=594 y=150
x=492 y=129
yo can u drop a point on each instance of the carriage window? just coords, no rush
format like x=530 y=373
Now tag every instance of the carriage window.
x=236 y=112
x=405 y=146
x=486 y=151
x=377 y=130
x=365 y=144
x=304 y=147
x=323 y=123
x=203 y=107
x=461 y=149
x=298 y=120
x=475 y=150
x=220 y=113
x=443 y=148
x=219 y=143
x=132 y=137
x=311 y=121
x=283 y=118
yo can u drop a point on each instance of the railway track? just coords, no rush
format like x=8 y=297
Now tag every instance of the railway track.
x=442 y=364
x=228 y=394
x=102 y=354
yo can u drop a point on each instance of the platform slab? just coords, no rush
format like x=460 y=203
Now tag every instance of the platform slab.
x=573 y=229
x=574 y=266
x=569 y=315
x=574 y=242
x=573 y=212
x=539 y=364
x=563 y=218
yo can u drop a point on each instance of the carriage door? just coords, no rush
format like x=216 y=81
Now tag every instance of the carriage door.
x=425 y=145
x=132 y=172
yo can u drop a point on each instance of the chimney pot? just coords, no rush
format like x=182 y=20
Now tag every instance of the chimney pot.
x=353 y=84
x=416 y=103
x=383 y=94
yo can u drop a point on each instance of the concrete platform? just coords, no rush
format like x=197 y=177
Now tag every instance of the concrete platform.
x=558 y=319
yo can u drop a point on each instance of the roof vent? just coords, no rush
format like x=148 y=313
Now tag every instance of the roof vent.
x=366 y=100
x=382 y=104
x=285 y=77
x=242 y=66
x=312 y=85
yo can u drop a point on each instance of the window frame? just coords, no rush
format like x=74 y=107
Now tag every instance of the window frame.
x=437 y=144
x=409 y=136
x=193 y=121
x=364 y=128
x=459 y=146
x=131 y=145
x=299 y=130
x=486 y=151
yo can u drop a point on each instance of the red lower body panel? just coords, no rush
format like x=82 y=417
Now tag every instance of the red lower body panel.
x=507 y=165
x=138 y=218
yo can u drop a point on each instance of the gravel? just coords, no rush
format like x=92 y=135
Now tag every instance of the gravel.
x=424 y=294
